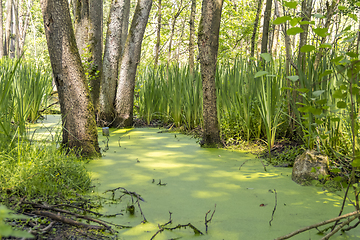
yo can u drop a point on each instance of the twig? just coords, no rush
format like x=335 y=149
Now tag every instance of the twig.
x=86 y=210
x=142 y=214
x=206 y=220
x=67 y=220
x=355 y=214
x=338 y=228
x=196 y=231
x=243 y=164
x=272 y=215
x=161 y=227
x=342 y=206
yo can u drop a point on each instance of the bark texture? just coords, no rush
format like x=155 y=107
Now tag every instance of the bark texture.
x=208 y=41
x=131 y=56
x=256 y=24
x=115 y=41
x=158 y=34
x=266 y=26
x=191 y=37
x=306 y=7
x=8 y=27
x=79 y=126
x=1 y=31
x=88 y=15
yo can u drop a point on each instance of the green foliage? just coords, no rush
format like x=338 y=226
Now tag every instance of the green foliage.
x=40 y=170
x=7 y=230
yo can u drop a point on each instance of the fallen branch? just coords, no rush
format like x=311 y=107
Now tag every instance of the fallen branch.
x=206 y=220
x=338 y=228
x=161 y=227
x=272 y=215
x=355 y=214
x=196 y=231
x=67 y=220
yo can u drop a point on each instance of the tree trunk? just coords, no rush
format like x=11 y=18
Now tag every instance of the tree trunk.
x=173 y=23
x=79 y=126
x=131 y=56
x=113 y=49
x=23 y=25
x=158 y=34
x=88 y=15
x=208 y=41
x=256 y=24
x=306 y=8
x=191 y=37
x=266 y=26
x=95 y=49
x=7 y=27
x=1 y=31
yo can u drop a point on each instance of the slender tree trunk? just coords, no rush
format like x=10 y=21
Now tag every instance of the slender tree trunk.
x=256 y=24
x=113 y=48
x=81 y=24
x=7 y=27
x=1 y=31
x=306 y=8
x=131 y=56
x=330 y=12
x=13 y=27
x=266 y=26
x=208 y=41
x=191 y=37
x=173 y=23
x=24 y=25
x=158 y=35
x=79 y=126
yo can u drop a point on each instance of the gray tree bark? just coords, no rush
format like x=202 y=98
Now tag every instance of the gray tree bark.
x=208 y=41
x=131 y=56
x=1 y=31
x=8 y=27
x=77 y=112
x=256 y=24
x=88 y=15
x=115 y=40
x=191 y=36
x=306 y=8
x=24 y=24
x=158 y=35
x=266 y=26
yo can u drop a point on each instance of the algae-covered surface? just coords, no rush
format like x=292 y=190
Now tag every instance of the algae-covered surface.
x=196 y=179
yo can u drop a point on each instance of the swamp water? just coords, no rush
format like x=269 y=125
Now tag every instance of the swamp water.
x=196 y=179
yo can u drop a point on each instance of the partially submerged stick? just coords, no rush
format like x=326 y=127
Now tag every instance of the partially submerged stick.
x=355 y=214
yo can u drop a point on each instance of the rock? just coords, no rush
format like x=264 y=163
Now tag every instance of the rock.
x=302 y=171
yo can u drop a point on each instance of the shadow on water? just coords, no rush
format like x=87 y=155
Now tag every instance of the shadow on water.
x=197 y=179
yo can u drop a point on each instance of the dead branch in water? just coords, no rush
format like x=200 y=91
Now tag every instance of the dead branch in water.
x=206 y=220
x=272 y=215
x=355 y=214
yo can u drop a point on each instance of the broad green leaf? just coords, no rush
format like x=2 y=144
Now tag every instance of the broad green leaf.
x=338 y=179
x=322 y=32
x=304 y=109
x=313 y=170
x=343 y=87
x=291 y=4
x=286 y=88
x=293 y=78
x=315 y=111
x=353 y=16
x=321 y=101
x=307 y=48
x=319 y=122
x=266 y=57
x=357 y=4
x=341 y=104
x=305 y=22
x=336 y=119
x=352 y=54
x=294 y=31
x=281 y=20
x=356 y=162
x=335 y=170
x=303 y=90
x=318 y=93
x=337 y=59
x=317 y=15
x=260 y=74
x=326 y=72
x=324 y=136
x=295 y=21
x=325 y=45
x=342 y=8
x=338 y=94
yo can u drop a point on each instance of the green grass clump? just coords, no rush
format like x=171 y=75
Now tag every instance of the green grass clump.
x=41 y=171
